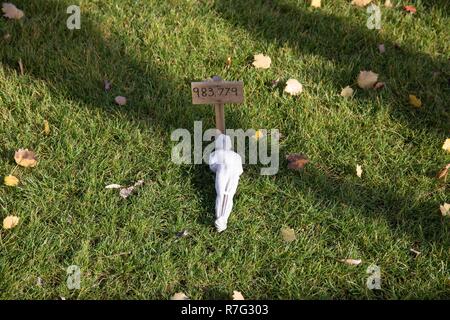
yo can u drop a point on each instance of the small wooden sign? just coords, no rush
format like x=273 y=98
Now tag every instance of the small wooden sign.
x=214 y=92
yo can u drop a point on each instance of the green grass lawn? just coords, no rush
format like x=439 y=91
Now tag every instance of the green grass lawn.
x=151 y=50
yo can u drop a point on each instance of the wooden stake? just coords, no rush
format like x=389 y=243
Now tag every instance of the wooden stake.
x=220 y=111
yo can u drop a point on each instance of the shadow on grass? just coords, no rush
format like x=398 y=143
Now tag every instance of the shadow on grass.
x=75 y=63
x=313 y=32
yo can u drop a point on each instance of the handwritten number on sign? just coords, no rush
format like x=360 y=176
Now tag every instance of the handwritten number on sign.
x=210 y=92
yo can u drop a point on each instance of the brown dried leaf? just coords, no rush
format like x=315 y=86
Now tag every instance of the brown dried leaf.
x=379 y=85
x=179 y=296
x=361 y=3
x=445 y=209
x=107 y=85
x=10 y=222
x=316 y=3
x=293 y=87
x=367 y=79
x=11 y=12
x=443 y=173
x=237 y=295
x=21 y=68
x=351 y=262
x=347 y=92
x=297 y=161
x=229 y=62
x=288 y=234
x=25 y=158
x=261 y=61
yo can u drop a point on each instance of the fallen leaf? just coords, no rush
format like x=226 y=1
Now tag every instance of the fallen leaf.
x=11 y=12
x=107 y=85
x=275 y=83
x=121 y=101
x=288 y=234
x=315 y=3
x=352 y=262
x=229 y=62
x=293 y=87
x=388 y=4
x=179 y=296
x=21 y=68
x=361 y=3
x=237 y=295
x=258 y=135
x=446 y=145
x=46 y=127
x=359 y=170
x=367 y=79
x=379 y=85
x=25 y=158
x=297 y=161
x=10 y=222
x=261 y=61
x=443 y=173
x=11 y=181
x=381 y=48
x=414 y=101
x=347 y=92
x=126 y=192
x=182 y=234
x=410 y=9
x=113 y=186
x=445 y=209
x=7 y=36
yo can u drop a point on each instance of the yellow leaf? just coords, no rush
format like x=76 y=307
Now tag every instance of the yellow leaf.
x=315 y=3
x=288 y=234
x=262 y=61
x=367 y=79
x=388 y=4
x=46 y=127
x=445 y=209
x=359 y=170
x=11 y=12
x=11 y=181
x=25 y=158
x=293 y=87
x=258 y=135
x=347 y=92
x=446 y=145
x=10 y=222
x=179 y=296
x=414 y=101
x=237 y=295
x=361 y=3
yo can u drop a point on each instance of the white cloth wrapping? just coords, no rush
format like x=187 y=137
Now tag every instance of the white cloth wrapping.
x=227 y=165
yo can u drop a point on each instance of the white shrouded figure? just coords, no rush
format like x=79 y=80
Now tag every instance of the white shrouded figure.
x=227 y=165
